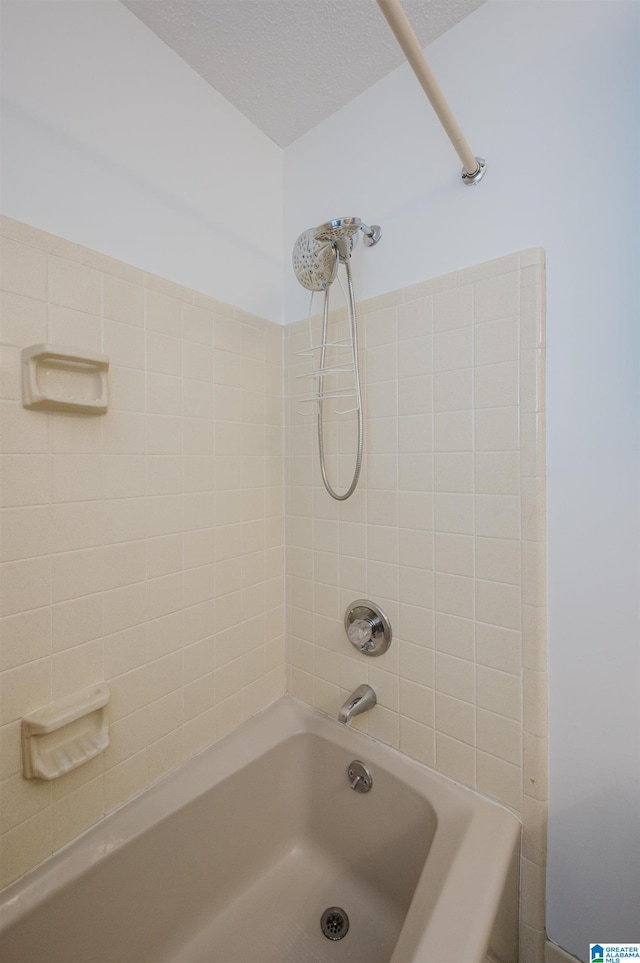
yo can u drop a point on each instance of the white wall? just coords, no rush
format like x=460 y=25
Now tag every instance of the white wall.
x=548 y=93
x=112 y=141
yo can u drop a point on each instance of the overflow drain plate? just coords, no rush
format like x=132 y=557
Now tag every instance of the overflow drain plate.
x=334 y=923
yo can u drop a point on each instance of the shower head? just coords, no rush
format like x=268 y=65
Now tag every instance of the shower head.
x=317 y=251
x=336 y=230
x=315 y=263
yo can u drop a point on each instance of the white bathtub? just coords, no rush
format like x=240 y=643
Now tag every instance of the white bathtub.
x=234 y=858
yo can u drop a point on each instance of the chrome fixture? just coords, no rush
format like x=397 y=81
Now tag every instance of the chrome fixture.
x=360 y=776
x=367 y=627
x=361 y=700
x=316 y=256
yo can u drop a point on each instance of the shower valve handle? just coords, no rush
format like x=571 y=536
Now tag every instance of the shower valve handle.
x=360 y=633
x=367 y=627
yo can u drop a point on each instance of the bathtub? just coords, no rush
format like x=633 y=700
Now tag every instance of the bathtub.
x=235 y=857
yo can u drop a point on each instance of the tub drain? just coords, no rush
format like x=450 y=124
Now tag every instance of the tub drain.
x=334 y=923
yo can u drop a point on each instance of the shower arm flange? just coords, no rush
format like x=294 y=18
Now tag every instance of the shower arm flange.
x=372 y=234
x=474 y=177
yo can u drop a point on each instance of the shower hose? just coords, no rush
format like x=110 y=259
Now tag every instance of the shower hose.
x=356 y=373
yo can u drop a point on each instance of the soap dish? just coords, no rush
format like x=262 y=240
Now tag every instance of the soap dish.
x=63 y=735
x=55 y=378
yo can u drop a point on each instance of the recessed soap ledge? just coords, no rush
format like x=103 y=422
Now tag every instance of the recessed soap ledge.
x=55 y=378
x=63 y=735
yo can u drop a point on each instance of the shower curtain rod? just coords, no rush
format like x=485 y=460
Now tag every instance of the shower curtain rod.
x=473 y=168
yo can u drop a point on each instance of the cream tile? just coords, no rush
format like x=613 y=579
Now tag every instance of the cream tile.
x=496 y=429
x=197 y=325
x=415 y=510
x=455 y=636
x=164 y=754
x=454 y=554
x=76 y=477
x=25 y=479
x=453 y=308
x=24 y=270
x=23 y=320
x=122 y=300
x=496 y=297
x=453 y=390
x=77 y=811
x=535 y=766
x=124 y=476
x=76 y=621
x=415 y=357
x=454 y=595
x=124 y=564
x=415 y=318
x=415 y=586
x=164 y=394
x=496 y=341
x=76 y=669
x=455 y=719
x=77 y=573
x=453 y=431
x=499 y=692
x=110 y=265
x=82 y=331
x=498 y=560
x=24 y=584
x=124 y=652
x=453 y=472
x=24 y=638
x=23 y=689
x=417 y=664
x=455 y=759
x=10 y=373
x=499 y=736
x=500 y=779
x=497 y=516
x=25 y=532
x=162 y=313
x=74 y=285
x=415 y=395
x=125 y=780
x=498 y=648
x=415 y=433
x=124 y=344
x=22 y=798
x=455 y=677
x=454 y=513
x=417 y=740
x=496 y=385
x=497 y=473
x=72 y=434
x=25 y=846
x=417 y=702
x=534 y=573
x=415 y=548
x=23 y=431
x=453 y=349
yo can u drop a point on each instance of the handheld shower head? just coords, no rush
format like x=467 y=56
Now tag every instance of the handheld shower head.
x=317 y=251
x=339 y=228
x=315 y=262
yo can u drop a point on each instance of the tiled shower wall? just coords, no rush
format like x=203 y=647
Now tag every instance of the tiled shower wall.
x=445 y=531
x=142 y=547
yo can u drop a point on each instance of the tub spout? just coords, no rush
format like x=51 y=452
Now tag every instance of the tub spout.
x=359 y=701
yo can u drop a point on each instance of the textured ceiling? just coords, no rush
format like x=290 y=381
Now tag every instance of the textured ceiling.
x=289 y=64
